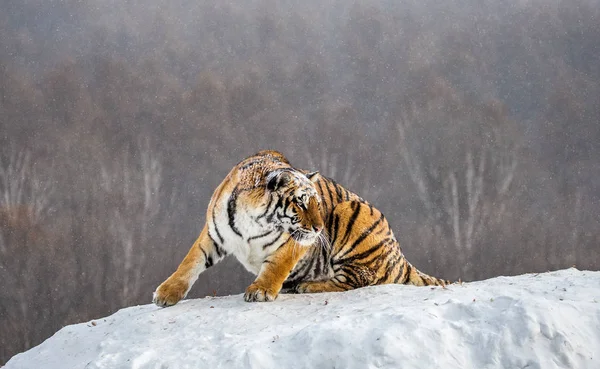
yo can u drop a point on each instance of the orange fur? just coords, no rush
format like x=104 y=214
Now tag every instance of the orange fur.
x=270 y=280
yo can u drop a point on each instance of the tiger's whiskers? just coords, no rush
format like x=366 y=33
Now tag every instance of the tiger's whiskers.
x=323 y=239
x=295 y=243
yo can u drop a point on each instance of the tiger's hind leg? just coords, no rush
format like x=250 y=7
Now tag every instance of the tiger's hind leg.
x=364 y=251
x=347 y=278
x=330 y=285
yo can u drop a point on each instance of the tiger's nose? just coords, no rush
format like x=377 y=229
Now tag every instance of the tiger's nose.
x=317 y=229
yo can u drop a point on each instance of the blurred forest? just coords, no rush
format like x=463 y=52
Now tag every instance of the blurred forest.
x=474 y=126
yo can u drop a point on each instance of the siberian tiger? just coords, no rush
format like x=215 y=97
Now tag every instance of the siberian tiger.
x=293 y=229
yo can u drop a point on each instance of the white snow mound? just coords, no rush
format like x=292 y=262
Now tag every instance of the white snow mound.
x=548 y=320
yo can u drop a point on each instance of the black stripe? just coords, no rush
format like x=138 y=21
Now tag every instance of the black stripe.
x=346 y=194
x=267 y=209
x=329 y=223
x=302 y=272
x=294 y=273
x=334 y=231
x=364 y=235
x=338 y=192
x=330 y=195
x=356 y=207
x=284 y=242
x=215 y=225
x=260 y=236
x=337 y=276
x=408 y=270
x=209 y=262
x=218 y=249
x=286 y=206
x=272 y=242
x=339 y=284
x=205 y=257
x=231 y=204
x=362 y=255
x=288 y=284
x=318 y=257
x=277 y=206
x=380 y=260
x=310 y=265
x=349 y=274
x=400 y=272
x=211 y=237
x=326 y=253
x=388 y=271
x=298 y=273
x=322 y=195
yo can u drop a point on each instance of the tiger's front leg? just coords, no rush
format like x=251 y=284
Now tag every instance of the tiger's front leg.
x=274 y=271
x=203 y=254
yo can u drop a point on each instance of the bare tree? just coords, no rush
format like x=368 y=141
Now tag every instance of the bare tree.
x=343 y=169
x=25 y=198
x=23 y=193
x=134 y=189
x=463 y=179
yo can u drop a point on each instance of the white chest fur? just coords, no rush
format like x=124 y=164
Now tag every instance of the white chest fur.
x=249 y=241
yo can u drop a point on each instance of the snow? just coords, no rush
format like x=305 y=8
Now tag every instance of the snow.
x=548 y=320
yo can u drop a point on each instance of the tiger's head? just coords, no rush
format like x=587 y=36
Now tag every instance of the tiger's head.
x=297 y=208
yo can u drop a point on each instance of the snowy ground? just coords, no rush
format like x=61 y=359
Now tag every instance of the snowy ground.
x=549 y=320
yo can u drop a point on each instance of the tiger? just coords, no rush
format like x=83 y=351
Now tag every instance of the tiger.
x=295 y=230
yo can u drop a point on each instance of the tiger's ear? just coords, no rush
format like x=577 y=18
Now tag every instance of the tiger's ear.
x=313 y=176
x=276 y=180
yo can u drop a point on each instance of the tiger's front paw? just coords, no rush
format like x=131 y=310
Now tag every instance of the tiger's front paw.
x=255 y=292
x=169 y=292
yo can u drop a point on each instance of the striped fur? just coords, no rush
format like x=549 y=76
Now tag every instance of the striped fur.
x=295 y=230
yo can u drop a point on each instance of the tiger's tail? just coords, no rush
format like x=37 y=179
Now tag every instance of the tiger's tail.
x=418 y=278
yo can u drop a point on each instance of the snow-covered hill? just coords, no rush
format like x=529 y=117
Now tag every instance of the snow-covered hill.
x=548 y=320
